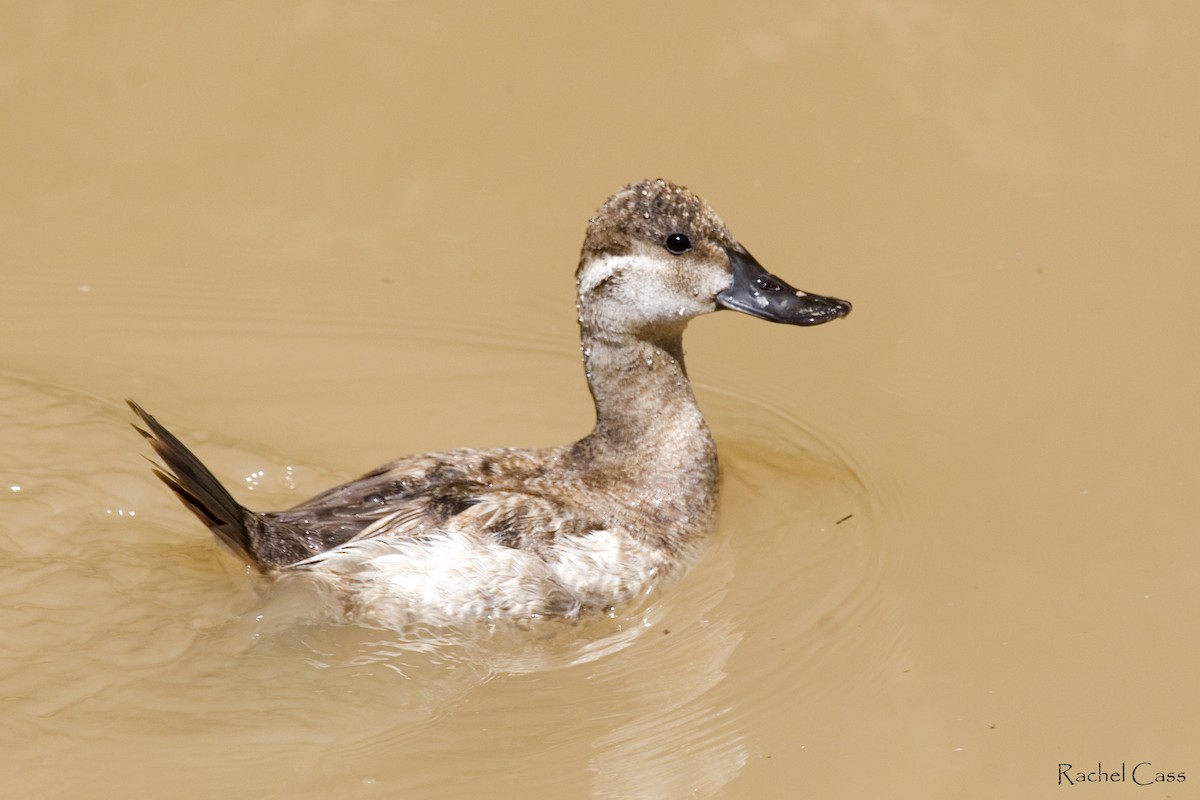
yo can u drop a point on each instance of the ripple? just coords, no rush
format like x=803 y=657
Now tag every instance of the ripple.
x=806 y=522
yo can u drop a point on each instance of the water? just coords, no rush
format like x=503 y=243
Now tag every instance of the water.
x=124 y=618
x=956 y=546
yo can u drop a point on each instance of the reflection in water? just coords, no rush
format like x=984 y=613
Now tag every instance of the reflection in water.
x=674 y=739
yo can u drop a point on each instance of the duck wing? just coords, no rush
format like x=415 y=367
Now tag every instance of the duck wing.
x=522 y=518
x=375 y=505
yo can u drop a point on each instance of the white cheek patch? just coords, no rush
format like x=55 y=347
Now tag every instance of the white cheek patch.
x=640 y=291
x=648 y=288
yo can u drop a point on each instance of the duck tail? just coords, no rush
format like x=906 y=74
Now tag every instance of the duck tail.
x=199 y=489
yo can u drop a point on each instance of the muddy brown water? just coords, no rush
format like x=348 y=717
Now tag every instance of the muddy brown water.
x=958 y=545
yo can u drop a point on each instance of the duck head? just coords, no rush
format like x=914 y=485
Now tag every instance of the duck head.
x=656 y=256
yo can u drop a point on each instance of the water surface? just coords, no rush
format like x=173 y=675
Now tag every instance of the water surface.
x=957 y=545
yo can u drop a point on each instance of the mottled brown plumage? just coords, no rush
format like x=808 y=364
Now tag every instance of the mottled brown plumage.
x=519 y=533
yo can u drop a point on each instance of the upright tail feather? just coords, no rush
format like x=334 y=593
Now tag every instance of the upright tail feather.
x=199 y=490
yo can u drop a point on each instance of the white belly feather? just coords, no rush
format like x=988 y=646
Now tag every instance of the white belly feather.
x=445 y=578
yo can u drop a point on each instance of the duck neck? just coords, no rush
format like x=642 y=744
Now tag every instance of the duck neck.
x=644 y=403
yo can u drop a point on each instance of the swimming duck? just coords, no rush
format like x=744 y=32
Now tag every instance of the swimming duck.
x=565 y=531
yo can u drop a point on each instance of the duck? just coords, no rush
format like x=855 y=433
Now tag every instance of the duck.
x=523 y=534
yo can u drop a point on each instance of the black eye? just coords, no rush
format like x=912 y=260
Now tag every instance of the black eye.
x=678 y=243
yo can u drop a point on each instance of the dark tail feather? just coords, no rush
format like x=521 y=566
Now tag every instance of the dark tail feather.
x=199 y=490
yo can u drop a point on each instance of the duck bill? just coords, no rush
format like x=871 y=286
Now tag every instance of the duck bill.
x=756 y=292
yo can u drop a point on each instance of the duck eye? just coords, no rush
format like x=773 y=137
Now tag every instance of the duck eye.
x=678 y=243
